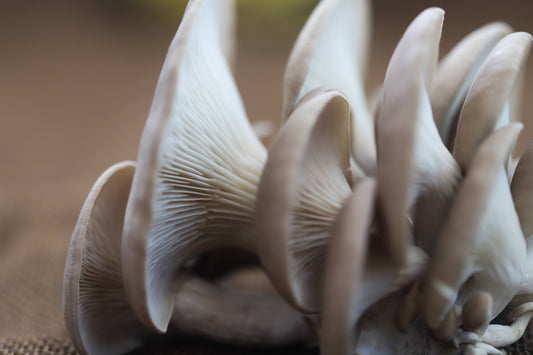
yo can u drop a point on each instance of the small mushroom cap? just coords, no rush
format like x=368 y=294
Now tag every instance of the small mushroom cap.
x=97 y=314
x=522 y=190
x=411 y=156
x=476 y=312
x=481 y=238
x=198 y=166
x=455 y=73
x=344 y=270
x=486 y=106
x=336 y=29
x=303 y=185
x=358 y=272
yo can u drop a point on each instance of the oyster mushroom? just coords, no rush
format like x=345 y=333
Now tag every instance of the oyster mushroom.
x=481 y=247
x=486 y=106
x=303 y=186
x=358 y=273
x=476 y=313
x=455 y=73
x=336 y=29
x=412 y=160
x=97 y=313
x=199 y=163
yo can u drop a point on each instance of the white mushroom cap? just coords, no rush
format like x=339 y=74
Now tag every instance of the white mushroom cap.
x=358 y=275
x=303 y=186
x=481 y=247
x=99 y=317
x=477 y=312
x=344 y=271
x=486 y=106
x=455 y=73
x=97 y=314
x=412 y=160
x=198 y=166
x=336 y=29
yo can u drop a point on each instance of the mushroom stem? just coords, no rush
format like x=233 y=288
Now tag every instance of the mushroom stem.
x=481 y=349
x=502 y=335
x=242 y=317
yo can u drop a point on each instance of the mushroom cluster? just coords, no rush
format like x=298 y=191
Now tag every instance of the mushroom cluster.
x=400 y=224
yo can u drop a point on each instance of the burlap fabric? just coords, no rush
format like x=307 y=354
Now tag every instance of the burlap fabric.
x=31 y=320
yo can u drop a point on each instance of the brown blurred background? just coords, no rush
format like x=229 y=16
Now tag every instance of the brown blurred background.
x=76 y=84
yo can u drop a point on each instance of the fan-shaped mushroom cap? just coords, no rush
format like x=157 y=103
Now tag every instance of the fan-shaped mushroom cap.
x=411 y=157
x=97 y=314
x=481 y=247
x=99 y=317
x=354 y=281
x=486 y=106
x=336 y=29
x=344 y=270
x=477 y=312
x=455 y=74
x=198 y=167
x=304 y=183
